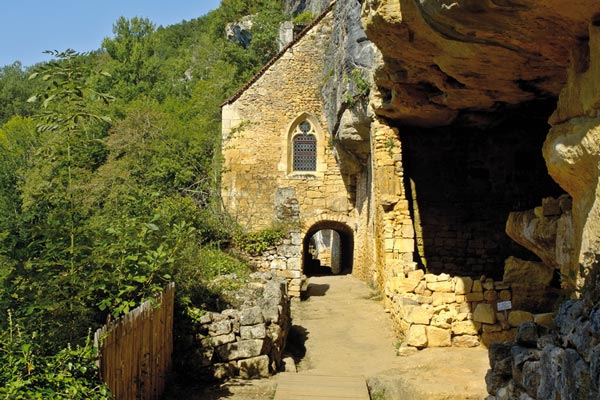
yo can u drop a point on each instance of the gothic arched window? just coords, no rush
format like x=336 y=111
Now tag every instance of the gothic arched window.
x=305 y=148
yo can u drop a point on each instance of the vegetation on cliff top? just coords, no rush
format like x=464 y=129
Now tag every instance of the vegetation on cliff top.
x=109 y=170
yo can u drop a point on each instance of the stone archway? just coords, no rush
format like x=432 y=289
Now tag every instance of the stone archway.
x=339 y=238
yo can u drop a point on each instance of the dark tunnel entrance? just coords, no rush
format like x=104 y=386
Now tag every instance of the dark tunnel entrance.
x=464 y=181
x=328 y=249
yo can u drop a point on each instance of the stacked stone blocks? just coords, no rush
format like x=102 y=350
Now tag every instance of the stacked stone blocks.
x=247 y=342
x=442 y=311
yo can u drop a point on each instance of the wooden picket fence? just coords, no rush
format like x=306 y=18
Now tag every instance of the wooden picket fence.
x=135 y=351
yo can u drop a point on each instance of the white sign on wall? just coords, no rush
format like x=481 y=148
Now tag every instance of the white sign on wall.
x=504 y=305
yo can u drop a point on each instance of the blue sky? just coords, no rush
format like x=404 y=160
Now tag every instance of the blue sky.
x=28 y=27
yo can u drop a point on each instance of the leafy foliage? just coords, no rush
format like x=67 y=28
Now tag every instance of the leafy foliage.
x=258 y=242
x=104 y=198
x=26 y=374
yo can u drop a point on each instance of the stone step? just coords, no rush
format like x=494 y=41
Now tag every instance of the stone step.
x=321 y=387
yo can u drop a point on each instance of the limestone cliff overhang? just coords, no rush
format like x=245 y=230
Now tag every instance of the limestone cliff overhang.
x=452 y=61
x=283 y=51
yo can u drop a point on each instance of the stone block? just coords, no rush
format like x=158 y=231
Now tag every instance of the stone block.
x=416 y=274
x=253 y=332
x=490 y=295
x=474 y=296
x=516 y=318
x=488 y=338
x=465 y=341
x=440 y=298
x=257 y=367
x=404 y=245
x=417 y=336
x=251 y=316
x=477 y=286
x=430 y=278
x=290 y=274
x=424 y=299
x=224 y=371
x=526 y=272
x=488 y=284
x=438 y=337
x=465 y=327
x=206 y=318
x=504 y=295
x=218 y=340
x=444 y=286
x=421 y=287
x=443 y=277
x=403 y=285
x=278 y=264
x=242 y=349
x=419 y=315
x=545 y=320
x=294 y=263
x=463 y=285
x=484 y=313
x=222 y=327
x=492 y=328
x=271 y=310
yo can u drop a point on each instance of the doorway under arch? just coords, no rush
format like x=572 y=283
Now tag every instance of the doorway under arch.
x=327 y=249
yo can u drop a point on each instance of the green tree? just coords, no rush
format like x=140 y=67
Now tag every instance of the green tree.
x=135 y=67
x=15 y=89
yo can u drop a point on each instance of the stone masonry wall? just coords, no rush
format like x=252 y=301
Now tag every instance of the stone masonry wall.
x=259 y=187
x=284 y=261
x=440 y=311
x=247 y=342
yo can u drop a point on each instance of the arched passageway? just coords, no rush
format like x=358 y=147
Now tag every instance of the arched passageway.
x=328 y=248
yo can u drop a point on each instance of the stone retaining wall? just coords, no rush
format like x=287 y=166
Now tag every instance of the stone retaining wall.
x=247 y=342
x=440 y=311
x=285 y=261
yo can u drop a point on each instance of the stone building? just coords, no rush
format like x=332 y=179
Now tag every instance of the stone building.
x=421 y=147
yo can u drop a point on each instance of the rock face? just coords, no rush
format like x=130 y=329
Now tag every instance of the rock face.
x=572 y=148
x=557 y=364
x=349 y=57
x=443 y=60
x=296 y=7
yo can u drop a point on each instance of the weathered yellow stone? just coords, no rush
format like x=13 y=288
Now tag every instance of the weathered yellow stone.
x=484 y=313
x=417 y=274
x=420 y=289
x=463 y=285
x=417 y=336
x=465 y=328
x=474 y=296
x=438 y=337
x=504 y=295
x=546 y=319
x=516 y=318
x=465 y=341
x=477 y=287
x=402 y=285
x=447 y=286
x=443 y=298
x=490 y=295
x=419 y=315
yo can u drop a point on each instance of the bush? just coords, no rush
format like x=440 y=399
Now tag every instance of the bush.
x=257 y=243
x=26 y=374
x=304 y=18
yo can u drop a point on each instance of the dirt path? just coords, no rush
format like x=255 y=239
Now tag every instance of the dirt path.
x=345 y=331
